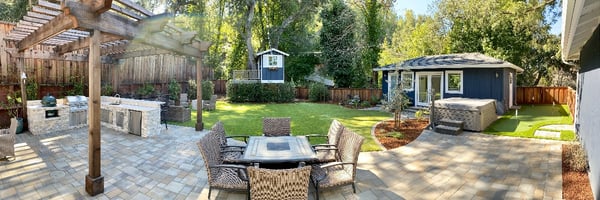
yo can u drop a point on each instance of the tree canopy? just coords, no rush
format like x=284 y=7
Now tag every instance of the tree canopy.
x=348 y=38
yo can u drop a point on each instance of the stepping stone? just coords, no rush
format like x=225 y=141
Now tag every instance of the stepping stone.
x=549 y=134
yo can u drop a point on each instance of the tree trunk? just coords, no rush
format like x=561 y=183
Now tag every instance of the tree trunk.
x=250 y=4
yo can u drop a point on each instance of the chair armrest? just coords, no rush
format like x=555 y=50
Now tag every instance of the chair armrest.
x=245 y=137
x=228 y=166
x=232 y=150
x=325 y=149
x=233 y=146
x=324 y=145
x=309 y=136
x=331 y=164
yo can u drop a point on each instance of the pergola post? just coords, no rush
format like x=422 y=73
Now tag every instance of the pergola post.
x=94 y=181
x=199 y=123
x=22 y=75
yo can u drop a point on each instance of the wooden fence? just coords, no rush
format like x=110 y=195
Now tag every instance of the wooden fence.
x=343 y=94
x=544 y=95
x=547 y=95
x=220 y=87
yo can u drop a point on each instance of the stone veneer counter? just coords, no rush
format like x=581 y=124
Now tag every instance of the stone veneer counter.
x=40 y=123
x=117 y=113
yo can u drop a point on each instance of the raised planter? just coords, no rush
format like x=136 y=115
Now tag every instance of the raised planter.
x=178 y=114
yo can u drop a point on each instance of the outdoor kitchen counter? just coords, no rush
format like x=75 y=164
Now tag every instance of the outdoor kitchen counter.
x=138 y=117
x=128 y=107
x=43 y=120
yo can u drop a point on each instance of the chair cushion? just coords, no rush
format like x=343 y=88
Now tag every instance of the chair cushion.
x=227 y=178
x=325 y=156
x=332 y=176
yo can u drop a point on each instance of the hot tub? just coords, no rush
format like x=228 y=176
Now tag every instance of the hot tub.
x=477 y=114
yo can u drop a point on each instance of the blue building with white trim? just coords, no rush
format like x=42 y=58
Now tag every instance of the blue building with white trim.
x=467 y=75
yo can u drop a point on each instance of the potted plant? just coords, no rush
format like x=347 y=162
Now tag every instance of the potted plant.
x=12 y=104
x=174 y=91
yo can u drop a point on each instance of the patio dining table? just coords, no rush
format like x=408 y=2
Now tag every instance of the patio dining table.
x=282 y=149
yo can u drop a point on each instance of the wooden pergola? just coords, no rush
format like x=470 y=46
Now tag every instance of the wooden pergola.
x=106 y=28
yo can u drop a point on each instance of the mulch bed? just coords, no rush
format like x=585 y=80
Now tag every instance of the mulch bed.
x=410 y=129
x=576 y=185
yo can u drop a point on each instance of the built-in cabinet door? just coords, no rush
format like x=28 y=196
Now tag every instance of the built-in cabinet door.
x=135 y=122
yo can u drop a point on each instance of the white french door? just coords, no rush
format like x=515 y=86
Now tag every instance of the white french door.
x=426 y=82
x=393 y=83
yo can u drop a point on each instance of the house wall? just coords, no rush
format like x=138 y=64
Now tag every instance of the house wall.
x=588 y=109
x=477 y=83
x=272 y=76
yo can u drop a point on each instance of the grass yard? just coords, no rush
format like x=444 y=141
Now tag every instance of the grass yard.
x=307 y=118
x=530 y=118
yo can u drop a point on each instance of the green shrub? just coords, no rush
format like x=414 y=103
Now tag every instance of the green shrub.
x=174 y=90
x=32 y=89
x=257 y=92
x=146 y=90
x=374 y=100
x=192 y=89
x=318 y=92
x=208 y=89
x=78 y=86
x=107 y=90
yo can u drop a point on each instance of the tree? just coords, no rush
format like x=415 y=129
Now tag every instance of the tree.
x=372 y=12
x=13 y=10
x=413 y=37
x=397 y=102
x=338 y=44
x=515 y=31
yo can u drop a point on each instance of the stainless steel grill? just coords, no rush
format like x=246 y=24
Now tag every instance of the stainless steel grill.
x=78 y=106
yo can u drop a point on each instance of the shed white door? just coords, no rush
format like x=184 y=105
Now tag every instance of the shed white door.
x=426 y=82
x=392 y=84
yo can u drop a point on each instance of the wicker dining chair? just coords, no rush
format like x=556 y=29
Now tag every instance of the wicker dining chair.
x=7 y=140
x=230 y=152
x=343 y=172
x=328 y=152
x=276 y=126
x=220 y=175
x=277 y=184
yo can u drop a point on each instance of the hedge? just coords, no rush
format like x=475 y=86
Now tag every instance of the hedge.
x=260 y=92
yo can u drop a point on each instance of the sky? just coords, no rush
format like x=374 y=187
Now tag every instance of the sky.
x=421 y=7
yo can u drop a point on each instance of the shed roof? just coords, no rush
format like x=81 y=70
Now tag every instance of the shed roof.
x=450 y=61
x=272 y=50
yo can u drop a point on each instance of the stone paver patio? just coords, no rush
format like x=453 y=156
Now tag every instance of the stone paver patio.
x=169 y=166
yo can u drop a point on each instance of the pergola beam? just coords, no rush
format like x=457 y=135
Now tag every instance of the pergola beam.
x=107 y=22
x=54 y=27
x=81 y=44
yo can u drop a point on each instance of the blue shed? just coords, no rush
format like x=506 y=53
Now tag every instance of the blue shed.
x=271 y=66
x=467 y=75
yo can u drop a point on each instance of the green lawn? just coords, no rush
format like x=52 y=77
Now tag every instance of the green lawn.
x=530 y=118
x=307 y=118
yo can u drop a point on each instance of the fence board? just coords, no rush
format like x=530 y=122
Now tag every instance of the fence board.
x=220 y=87
x=543 y=95
x=343 y=94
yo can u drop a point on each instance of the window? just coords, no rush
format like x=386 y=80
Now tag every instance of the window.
x=454 y=82
x=272 y=61
x=407 y=80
